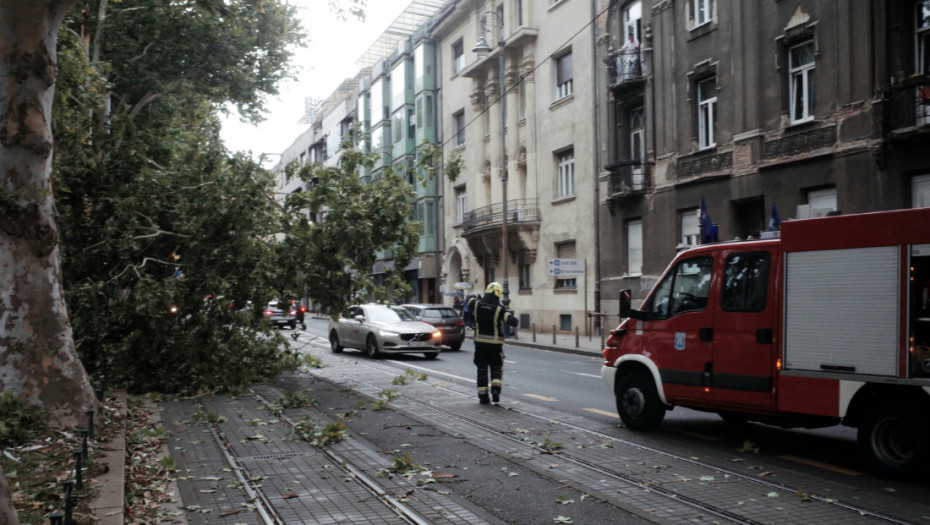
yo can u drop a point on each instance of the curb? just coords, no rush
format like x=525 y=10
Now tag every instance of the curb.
x=108 y=506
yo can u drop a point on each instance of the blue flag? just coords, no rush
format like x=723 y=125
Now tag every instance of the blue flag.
x=708 y=230
x=774 y=219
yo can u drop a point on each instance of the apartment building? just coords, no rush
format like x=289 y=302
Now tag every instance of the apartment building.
x=398 y=113
x=762 y=110
x=523 y=126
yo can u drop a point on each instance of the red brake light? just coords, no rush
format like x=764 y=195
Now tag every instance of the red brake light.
x=303 y=308
x=460 y=322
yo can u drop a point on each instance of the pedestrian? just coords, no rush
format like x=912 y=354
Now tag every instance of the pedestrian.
x=490 y=317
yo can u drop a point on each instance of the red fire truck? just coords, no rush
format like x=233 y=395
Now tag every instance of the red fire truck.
x=827 y=323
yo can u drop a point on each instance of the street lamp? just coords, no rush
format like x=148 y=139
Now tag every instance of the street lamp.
x=482 y=49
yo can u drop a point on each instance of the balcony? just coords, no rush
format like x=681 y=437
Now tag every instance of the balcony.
x=519 y=211
x=627 y=178
x=909 y=105
x=625 y=68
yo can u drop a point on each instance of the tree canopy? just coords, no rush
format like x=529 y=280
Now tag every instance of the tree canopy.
x=171 y=244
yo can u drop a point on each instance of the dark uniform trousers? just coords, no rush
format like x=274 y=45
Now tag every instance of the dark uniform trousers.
x=489 y=344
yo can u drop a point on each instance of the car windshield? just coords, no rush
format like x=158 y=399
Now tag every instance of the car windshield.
x=382 y=315
x=404 y=314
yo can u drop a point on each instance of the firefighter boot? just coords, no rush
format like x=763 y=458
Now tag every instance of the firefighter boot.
x=484 y=399
x=496 y=394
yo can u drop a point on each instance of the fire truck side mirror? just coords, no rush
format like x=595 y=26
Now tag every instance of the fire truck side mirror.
x=626 y=308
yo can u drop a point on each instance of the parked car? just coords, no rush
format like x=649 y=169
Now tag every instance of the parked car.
x=445 y=318
x=281 y=317
x=300 y=310
x=377 y=329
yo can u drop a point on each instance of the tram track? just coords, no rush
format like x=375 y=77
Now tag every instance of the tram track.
x=423 y=409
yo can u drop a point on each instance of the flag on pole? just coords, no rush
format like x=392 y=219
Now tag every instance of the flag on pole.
x=708 y=230
x=774 y=219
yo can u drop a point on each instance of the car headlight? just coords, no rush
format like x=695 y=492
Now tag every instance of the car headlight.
x=388 y=333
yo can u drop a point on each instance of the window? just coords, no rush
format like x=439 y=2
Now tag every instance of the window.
x=565 y=250
x=519 y=9
x=684 y=289
x=745 y=282
x=563 y=76
x=458 y=57
x=634 y=248
x=707 y=113
x=821 y=202
x=690 y=227
x=458 y=120
x=461 y=205
x=701 y=12
x=398 y=126
x=566 y=161
x=525 y=283
x=801 y=82
x=637 y=146
x=522 y=93
x=922 y=58
x=565 y=322
x=920 y=191
x=377 y=101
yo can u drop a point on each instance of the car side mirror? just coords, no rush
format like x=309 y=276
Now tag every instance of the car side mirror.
x=359 y=318
x=627 y=310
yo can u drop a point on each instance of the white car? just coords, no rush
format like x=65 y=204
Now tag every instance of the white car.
x=377 y=329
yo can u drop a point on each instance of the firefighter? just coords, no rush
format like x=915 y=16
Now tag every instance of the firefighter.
x=490 y=316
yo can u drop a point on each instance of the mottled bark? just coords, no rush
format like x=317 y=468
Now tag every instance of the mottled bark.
x=37 y=353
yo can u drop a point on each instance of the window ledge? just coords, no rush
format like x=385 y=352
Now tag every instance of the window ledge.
x=568 y=99
x=563 y=200
x=632 y=276
x=802 y=124
x=565 y=290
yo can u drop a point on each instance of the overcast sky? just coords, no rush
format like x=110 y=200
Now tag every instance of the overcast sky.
x=333 y=48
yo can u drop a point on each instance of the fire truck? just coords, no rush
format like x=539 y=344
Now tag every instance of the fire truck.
x=826 y=322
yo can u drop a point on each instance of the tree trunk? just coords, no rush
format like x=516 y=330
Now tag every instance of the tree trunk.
x=37 y=353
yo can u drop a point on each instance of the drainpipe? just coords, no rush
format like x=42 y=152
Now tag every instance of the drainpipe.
x=597 y=179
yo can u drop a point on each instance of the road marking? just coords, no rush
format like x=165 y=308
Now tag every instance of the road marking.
x=586 y=375
x=408 y=365
x=698 y=435
x=602 y=412
x=541 y=398
x=820 y=464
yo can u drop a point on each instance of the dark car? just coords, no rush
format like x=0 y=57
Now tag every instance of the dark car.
x=280 y=317
x=299 y=310
x=443 y=317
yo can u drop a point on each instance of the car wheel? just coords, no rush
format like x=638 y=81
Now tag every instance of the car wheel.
x=334 y=343
x=431 y=355
x=456 y=347
x=371 y=346
x=293 y=325
x=893 y=438
x=638 y=401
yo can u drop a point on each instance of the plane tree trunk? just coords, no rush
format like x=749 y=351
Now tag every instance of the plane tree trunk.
x=37 y=352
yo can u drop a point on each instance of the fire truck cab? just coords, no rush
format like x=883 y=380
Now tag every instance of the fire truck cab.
x=826 y=324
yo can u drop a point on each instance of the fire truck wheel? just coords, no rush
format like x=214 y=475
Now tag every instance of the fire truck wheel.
x=894 y=439
x=638 y=402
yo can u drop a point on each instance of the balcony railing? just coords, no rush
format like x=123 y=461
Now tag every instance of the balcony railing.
x=518 y=211
x=909 y=103
x=624 y=66
x=627 y=178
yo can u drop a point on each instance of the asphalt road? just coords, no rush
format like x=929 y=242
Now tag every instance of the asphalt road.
x=571 y=383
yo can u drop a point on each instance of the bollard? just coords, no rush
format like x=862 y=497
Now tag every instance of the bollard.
x=90 y=424
x=84 y=443
x=56 y=518
x=534 y=332
x=553 y=334
x=78 y=477
x=576 y=337
x=69 y=486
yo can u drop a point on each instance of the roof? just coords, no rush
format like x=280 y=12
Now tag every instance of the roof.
x=412 y=19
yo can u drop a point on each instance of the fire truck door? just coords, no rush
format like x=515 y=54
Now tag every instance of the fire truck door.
x=744 y=349
x=677 y=338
